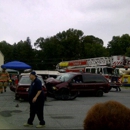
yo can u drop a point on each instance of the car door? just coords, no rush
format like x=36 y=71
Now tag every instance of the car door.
x=89 y=82
x=76 y=85
x=93 y=82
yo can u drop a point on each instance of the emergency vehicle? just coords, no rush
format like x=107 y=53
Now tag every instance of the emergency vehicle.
x=102 y=65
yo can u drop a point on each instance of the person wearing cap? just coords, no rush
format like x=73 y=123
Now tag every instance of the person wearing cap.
x=36 y=101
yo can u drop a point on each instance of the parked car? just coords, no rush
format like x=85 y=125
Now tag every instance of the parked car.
x=44 y=73
x=69 y=85
x=21 y=91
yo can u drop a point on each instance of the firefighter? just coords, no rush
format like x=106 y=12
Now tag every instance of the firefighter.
x=114 y=79
x=4 y=79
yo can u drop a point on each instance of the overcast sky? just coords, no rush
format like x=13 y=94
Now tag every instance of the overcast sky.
x=104 y=19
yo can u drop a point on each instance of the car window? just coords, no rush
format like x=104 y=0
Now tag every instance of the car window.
x=41 y=80
x=93 y=79
x=88 y=70
x=99 y=71
x=77 y=79
x=26 y=80
x=65 y=77
x=93 y=70
x=58 y=77
x=44 y=76
x=54 y=76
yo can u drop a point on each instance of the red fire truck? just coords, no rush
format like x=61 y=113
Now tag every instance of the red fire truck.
x=102 y=65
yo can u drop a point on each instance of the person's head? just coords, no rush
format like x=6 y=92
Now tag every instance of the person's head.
x=33 y=75
x=78 y=78
x=3 y=69
x=110 y=115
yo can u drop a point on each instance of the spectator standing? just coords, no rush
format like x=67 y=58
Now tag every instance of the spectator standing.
x=36 y=101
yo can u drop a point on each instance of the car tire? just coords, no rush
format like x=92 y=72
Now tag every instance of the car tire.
x=57 y=96
x=62 y=94
x=99 y=93
x=73 y=95
x=110 y=88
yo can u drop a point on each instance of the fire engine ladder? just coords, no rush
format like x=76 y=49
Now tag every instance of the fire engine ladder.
x=99 y=61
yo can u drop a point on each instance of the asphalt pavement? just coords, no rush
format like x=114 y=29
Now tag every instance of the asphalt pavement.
x=57 y=114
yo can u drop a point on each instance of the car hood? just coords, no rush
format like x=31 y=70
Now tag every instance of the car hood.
x=20 y=84
x=53 y=81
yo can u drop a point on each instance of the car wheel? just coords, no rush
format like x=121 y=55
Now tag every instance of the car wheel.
x=62 y=94
x=110 y=88
x=99 y=93
x=73 y=95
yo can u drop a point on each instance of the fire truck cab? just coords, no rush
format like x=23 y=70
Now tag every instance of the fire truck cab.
x=104 y=70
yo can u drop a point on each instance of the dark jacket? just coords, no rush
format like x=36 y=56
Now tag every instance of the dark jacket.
x=35 y=86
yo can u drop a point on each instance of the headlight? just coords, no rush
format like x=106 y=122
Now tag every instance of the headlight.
x=10 y=80
x=109 y=80
x=54 y=88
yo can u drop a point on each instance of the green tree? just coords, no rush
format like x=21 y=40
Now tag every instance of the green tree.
x=70 y=40
x=92 y=39
x=23 y=51
x=69 y=45
x=92 y=47
x=97 y=50
x=118 y=45
x=39 y=43
x=62 y=46
x=128 y=52
x=7 y=51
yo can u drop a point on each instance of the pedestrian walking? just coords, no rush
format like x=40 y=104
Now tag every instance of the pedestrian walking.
x=36 y=101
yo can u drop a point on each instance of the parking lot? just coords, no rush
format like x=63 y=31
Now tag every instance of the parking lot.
x=58 y=114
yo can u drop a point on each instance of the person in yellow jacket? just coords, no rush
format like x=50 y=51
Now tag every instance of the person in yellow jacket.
x=4 y=78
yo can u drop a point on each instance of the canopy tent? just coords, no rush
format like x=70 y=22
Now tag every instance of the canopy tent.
x=16 y=65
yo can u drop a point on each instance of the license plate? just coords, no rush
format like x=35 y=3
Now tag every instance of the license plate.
x=27 y=89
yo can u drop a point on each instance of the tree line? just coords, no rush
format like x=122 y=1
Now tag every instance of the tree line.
x=71 y=44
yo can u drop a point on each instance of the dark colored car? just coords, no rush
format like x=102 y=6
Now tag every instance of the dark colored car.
x=23 y=85
x=69 y=85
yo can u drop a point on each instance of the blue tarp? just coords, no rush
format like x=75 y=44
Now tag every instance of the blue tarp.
x=16 y=65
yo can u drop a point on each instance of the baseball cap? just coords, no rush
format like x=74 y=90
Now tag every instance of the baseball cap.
x=33 y=73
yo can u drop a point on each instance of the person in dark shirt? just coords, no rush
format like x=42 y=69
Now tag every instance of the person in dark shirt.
x=78 y=80
x=36 y=101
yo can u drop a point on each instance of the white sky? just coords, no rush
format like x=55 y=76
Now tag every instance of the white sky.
x=104 y=19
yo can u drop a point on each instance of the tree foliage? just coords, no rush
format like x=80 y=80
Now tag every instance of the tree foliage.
x=71 y=44
x=118 y=45
x=7 y=50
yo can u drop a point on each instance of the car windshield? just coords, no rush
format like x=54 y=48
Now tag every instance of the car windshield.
x=65 y=77
x=109 y=71
x=26 y=80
